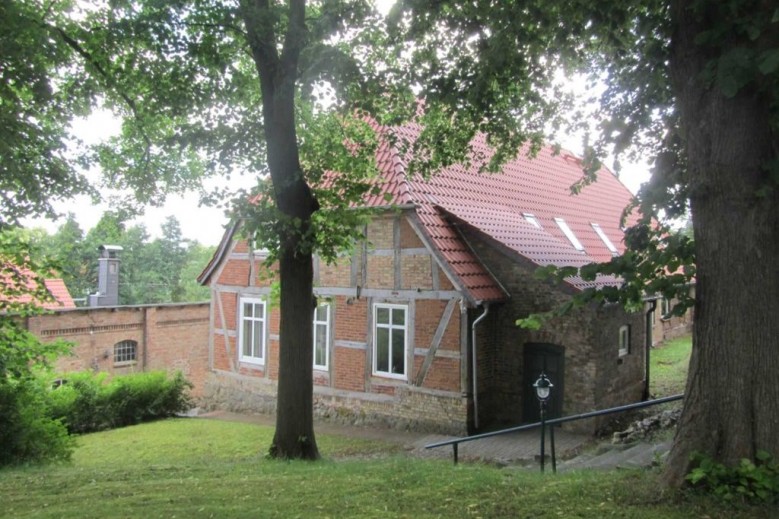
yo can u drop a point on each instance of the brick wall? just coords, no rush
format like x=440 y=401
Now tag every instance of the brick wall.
x=392 y=266
x=170 y=337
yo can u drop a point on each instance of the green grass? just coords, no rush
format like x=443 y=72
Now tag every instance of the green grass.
x=669 y=363
x=191 y=468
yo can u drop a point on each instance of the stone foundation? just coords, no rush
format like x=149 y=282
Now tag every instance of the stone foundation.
x=411 y=408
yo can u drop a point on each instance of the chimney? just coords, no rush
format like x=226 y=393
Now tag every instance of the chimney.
x=107 y=277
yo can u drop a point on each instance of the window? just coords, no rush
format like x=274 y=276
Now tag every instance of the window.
x=665 y=308
x=605 y=239
x=532 y=219
x=251 y=334
x=321 y=335
x=569 y=234
x=389 y=340
x=125 y=352
x=624 y=340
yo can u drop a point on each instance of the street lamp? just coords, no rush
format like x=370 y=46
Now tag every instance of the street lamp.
x=543 y=387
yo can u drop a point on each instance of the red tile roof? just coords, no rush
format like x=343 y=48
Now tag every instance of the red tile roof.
x=60 y=293
x=24 y=279
x=495 y=204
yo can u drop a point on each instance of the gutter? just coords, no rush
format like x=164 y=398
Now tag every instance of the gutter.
x=648 y=346
x=473 y=364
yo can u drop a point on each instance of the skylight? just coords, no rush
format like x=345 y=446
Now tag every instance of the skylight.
x=532 y=219
x=569 y=234
x=604 y=238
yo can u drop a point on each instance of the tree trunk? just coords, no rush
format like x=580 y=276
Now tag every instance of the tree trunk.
x=731 y=407
x=294 y=436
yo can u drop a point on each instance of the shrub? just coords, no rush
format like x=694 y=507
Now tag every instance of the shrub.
x=27 y=432
x=132 y=399
x=87 y=403
x=748 y=481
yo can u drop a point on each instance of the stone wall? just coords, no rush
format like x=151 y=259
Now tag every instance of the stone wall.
x=410 y=408
x=595 y=375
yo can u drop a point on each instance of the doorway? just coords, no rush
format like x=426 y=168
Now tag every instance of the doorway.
x=542 y=358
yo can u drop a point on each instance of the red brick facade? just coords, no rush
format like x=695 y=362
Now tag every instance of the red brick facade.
x=170 y=337
x=395 y=267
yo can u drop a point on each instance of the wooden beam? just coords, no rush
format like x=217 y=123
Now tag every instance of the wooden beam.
x=439 y=334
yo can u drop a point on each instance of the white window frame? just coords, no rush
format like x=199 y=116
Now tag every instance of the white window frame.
x=531 y=218
x=390 y=327
x=261 y=321
x=605 y=239
x=326 y=324
x=624 y=340
x=569 y=234
x=665 y=309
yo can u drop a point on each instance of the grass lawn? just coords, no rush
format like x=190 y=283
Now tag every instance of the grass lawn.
x=191 y=468
x=669 y=363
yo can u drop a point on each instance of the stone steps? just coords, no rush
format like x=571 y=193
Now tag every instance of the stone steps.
x=638 y=455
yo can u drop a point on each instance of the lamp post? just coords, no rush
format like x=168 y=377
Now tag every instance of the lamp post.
x=543 y=387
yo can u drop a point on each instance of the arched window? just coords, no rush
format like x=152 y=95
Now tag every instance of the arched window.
x=125 y=351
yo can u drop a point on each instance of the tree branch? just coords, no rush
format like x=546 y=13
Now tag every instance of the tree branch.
x=109 y=81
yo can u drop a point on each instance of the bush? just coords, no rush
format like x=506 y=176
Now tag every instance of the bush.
x=86 y=403
x=132 y=399
x=748 y=481
x=27 y=432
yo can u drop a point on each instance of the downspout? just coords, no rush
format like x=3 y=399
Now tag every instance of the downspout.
x=648 y=346
x=473 y=365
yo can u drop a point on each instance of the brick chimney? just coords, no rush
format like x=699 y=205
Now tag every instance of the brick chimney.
x=107 y=277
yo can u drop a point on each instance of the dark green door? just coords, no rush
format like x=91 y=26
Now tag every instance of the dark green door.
x=542 y=358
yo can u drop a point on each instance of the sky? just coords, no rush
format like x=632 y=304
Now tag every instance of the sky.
x=207 y=224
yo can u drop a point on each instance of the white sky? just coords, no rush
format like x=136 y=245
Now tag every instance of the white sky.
x=206 y=224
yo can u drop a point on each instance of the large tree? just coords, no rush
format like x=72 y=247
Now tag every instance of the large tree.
x=216 y=88
x=696 y=85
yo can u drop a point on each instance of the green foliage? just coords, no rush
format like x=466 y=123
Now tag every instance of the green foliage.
x=35 y=112
x=162 y=270
x=28 y=434
x=748 y=481
x=86 y=402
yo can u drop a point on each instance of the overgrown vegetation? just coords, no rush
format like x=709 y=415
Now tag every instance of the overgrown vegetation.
x=88 y=403
x=28 y=434
x=206 y=468
x=746 y=482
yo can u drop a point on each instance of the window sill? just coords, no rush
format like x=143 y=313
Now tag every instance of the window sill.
x=400 y=377
x=125 y=363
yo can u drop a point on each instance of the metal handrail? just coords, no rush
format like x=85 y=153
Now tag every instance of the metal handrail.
x=554 y=421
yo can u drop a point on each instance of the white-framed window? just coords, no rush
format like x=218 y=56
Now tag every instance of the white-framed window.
x=125 y=352
x=390 y=337
x=569 y=234
x=665 y=308
x=531 y=218
x=624 y=340
x=253 y=319
x=322 y=335
x=605 y=239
